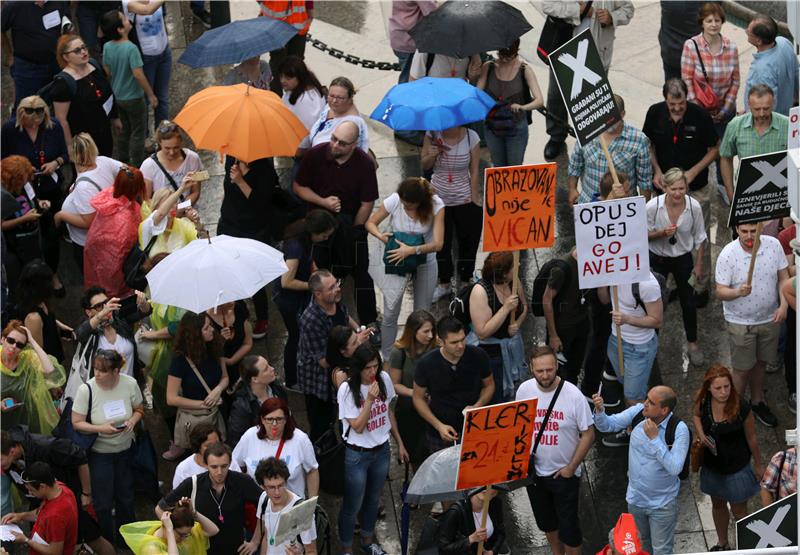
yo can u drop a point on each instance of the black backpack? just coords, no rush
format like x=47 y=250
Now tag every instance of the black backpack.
x=46 y=92
x=540 y=284
x=669 y=438
x=662 y=283
x=459 y=306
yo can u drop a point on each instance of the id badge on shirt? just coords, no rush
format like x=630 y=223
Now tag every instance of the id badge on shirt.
x=108 y=104
x=53 y=19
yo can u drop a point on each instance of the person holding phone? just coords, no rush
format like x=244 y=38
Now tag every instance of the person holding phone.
x=169 y=166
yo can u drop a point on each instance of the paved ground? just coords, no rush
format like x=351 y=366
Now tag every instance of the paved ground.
x=357 y=27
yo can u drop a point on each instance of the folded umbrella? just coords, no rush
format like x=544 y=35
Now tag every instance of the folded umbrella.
x=237 y=41
x=435 y=480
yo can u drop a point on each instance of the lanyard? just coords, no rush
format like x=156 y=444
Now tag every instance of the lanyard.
x=219 y=504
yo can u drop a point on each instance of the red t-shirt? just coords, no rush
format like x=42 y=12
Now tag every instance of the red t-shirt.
x=58 y=521
x=786 y=236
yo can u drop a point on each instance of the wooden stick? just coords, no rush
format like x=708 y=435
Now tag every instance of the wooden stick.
x=756 y=245
x=485 y=510
x=620 y=360
x=515 y=285
x=609 y=160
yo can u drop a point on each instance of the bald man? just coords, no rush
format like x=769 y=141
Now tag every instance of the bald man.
x=654 y=466
x=340 y=177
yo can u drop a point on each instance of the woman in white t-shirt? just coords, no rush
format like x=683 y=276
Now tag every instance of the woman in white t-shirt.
x=303 y=94
x=167 y=168
x=414 y=209
x=201 y=436
x=365 y=409
x=277 y=435
x=454 y=156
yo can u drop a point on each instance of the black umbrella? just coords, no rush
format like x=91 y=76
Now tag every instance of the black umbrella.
x=461 y=29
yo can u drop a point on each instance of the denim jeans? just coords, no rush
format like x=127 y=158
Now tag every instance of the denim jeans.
x=404 y=58
x=112 y=490
x=158 y=69
x=656 y=527
x=29 y=77
x=130 y=142
x=508 y=150
x=88 y=22
x=638 y=359
x=363 y=482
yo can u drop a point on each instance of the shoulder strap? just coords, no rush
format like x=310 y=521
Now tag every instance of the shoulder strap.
x=699 y=57
x=672 y=425
x=172 y=183
x=429 y=57
x=639 y=417
x=586 y=9
x=84 y=178
x=150 y=244
x=547 y=415
x=637 y=296
x=198 y=374
x=194 y=490
x=89 y=410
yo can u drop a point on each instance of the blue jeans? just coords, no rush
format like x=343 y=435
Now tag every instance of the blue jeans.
x=88 y=21
x=158 y=69
x=363 y=482
x=508 y=150
x=405 y=64
x=29 y=77
x=113 y=489
x=656 y=527
x=638 y=360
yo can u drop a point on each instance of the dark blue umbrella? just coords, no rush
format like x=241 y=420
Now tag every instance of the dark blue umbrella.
x=432 y=104
x=237 y=41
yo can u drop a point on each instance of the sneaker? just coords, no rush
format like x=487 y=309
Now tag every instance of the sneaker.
x=620 y=439
x=764 y=415
x=441 y=291
x=696 y=356
x=793 y=403
x=260 y=329
x=174 y=452
x=437 y=509
x=372 y=549
x=774 y=366
x=204 y=17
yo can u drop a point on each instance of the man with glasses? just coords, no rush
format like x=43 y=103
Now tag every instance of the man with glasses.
x=325 y=311
x=340 y=178
x=654 y=467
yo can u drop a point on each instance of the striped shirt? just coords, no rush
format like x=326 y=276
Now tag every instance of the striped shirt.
x=742 y=140
x=451 y=178
x=722 y=69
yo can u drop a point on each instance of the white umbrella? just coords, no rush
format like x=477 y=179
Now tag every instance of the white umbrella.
x=209 y=272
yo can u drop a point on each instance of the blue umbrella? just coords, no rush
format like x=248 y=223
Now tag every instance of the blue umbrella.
x=432 y=104
x=237 y=41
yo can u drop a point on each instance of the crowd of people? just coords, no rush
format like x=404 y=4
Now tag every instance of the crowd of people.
x=85 y=168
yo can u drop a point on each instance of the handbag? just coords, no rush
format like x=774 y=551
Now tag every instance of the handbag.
x=80 y=370
x=531 y=466
x=409 y=264
x=65 y=430
x=329 y=450
x=555 y=33
x=187 y=419
x=144 y=463
x=705 y=95
x=132 y=267
x=697 y=452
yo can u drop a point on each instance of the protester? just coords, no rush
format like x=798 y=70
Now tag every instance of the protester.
x=182 y=530
x=512 y=83
x=291 y=292
x=302 y=92
x=623 y=538
x=418 y=338
x=340 y=108
x=774 y=63
x=780 y=478
x=171 y=164
x=161 y=224
x=113 y=403
x=200 y=437
x=257 y=384
x=497 y=314
x=675 y=225
x=726 y=431
x=752 y=314
x=35 y=297
x=653 y=466
x=428 y=64
x=27 y=376
x=298 y=14
x=790 y=347
x=254 y=72
x=678 y=24
x=454 y=157
x=460 y=532
x=404 y=16
x=416 y=230
x=448 y=380
x=558 y=448
x=367 y=415
x=342 y=343
x=230 y=321
x=37 y=136
x=87 y=15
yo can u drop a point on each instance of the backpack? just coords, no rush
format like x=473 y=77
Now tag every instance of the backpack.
x=669 y=438
x=429 y=57
x=46 y=92
x=459 y=306
x=662 y=283
x=540 y=284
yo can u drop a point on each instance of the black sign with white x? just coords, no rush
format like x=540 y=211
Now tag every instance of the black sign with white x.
x=584 y=87
x=761 y=189
x=773 y=526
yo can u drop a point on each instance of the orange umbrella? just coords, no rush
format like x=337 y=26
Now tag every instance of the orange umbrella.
x=241 y=121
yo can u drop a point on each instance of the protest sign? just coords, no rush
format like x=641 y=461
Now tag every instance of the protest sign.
x=496 y=444
x=519 y=207
x=794 y=161
x=611 y=240
x=761 y=192
x=584 y=87
x=773 y=526
x=295 y=520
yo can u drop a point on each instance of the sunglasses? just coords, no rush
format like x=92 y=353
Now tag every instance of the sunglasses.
x=16 y=343
x=99 y=305
x=167 y=127
x=30 y=111
x=337 y=140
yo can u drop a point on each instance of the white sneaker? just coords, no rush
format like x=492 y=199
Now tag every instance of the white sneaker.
x=441 y=291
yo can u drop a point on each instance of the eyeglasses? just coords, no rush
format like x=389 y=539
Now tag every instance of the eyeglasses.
x=338 y=98
x=99 y=305
x=16 y=343
x=30 y=111
x=275 y=488
x=78 y=49
x=335 y=139
x=167 y=127
x=274 y=421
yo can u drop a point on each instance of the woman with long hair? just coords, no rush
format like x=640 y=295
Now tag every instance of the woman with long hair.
x=726 y=431
x=181 y=531
x=35 y=294
x=302 y=92
x=342 y=343
x=365 y=409
x=418 y=338
x=257 y=384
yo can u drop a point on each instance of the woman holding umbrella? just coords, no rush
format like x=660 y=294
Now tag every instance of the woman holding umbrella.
x=254 y=71
x=340 y=108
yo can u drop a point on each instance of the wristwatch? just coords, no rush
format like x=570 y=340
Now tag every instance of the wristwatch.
x=418 y=249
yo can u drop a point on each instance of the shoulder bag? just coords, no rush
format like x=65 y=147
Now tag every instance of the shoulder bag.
x=132 y=269
x=187 y=419
x=409 y=264
x=64 y=429
x=706 y=97
x=555 y=33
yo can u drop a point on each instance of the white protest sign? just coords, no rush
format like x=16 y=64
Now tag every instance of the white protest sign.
x=296 y=520
x=794 y=162
x=611 y=239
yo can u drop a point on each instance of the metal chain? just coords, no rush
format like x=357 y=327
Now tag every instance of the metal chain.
x=351 y=58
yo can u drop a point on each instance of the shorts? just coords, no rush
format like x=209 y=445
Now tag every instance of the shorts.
x=638 y=359
x=734 y=488
x=555 y=507
x=751 y=344
x=88 y=528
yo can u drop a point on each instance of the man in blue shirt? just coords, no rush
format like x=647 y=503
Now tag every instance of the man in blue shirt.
x=653 y=466
x=774 y=62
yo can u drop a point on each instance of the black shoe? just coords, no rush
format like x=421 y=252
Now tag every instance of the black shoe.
x=204 y=17
x=552 y=149
x=764 y=415
x=701 y=299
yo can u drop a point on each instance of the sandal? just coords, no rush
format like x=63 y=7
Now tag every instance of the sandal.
x=719 y=547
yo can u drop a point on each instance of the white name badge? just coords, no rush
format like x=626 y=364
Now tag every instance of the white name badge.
x=114 y=410
x=108 y=104
x=29 y=191
x=51 y=20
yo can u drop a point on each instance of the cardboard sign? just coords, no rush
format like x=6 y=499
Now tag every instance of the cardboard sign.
x=584 y=87
x=496 y=444
x=773 y=526
x=794 y=161
x=761 y=192
x=611 y=237
x=519 y=207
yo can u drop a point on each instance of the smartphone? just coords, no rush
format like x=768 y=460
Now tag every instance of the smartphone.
x=183 y=205
x=201 y=175
x=120 y=426
x=713 y=446
x=10 y=403
x=127 y=306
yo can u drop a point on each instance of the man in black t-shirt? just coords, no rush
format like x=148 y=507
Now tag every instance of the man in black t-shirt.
x=456 y=376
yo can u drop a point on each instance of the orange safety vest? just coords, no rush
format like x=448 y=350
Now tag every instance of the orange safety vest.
x=292 y=12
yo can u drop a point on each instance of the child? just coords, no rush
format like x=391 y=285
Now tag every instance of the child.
x=611 y=191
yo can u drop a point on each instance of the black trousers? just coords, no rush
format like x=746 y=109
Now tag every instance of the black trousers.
x=290 y=305
x=465 y=221
x=790 y=351
x=681 y=268
x=574 y=340
x=51 y=234
x=321 y=415
x=596 y=359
